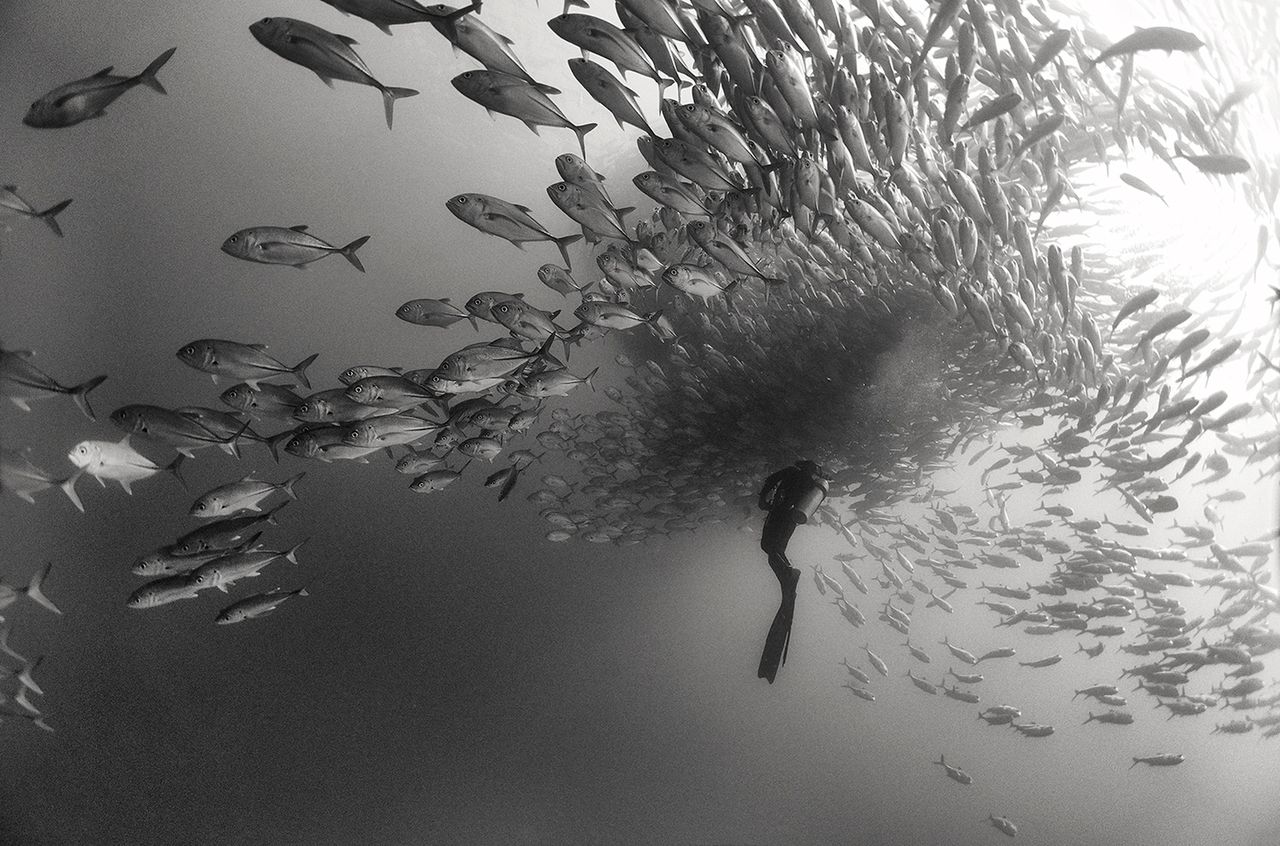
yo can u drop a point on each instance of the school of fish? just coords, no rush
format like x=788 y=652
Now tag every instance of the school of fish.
x=863 y=217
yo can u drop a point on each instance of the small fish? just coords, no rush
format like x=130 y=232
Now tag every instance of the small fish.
x=255 y=606
x=292 y=246
x=224 y=534
x=248 y=362
x=326 y=54
x=1004 y=824
x=606 y=90
x=244 y=495
x=954 y=773
x=1133 y=181
x=510 y=221
x=10 y=200
x=1165 y=38
x=518 y=97
x=434 y=480
x=429 y=312
x=225 y=570
x=163 y=591
x=1162 y=759
x=1217 y=164
x=120 y=462
x=88 y=98
x=993 y=109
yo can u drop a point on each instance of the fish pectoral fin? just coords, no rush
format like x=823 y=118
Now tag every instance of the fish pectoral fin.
x=533 y=127
x=126 y=487
x=326 y=80
x=346 y=39
x=20 y=403
x=105 y=71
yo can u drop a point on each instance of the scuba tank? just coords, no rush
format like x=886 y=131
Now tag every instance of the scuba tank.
x=809 y=499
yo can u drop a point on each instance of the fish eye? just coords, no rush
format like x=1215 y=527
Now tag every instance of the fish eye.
x=359 y=389
x=468 y=75
x=189 y=350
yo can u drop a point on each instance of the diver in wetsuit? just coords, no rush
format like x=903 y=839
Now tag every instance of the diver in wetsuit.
x=791 y=496
x=780 y=496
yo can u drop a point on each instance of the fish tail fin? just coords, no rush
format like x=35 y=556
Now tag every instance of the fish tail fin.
x=1179 y=152
x=80 y=393
x=271 y=515
x=49 y=216
x=28 y=681
x=35 y=594
x=273 y=443
x=1088 y=719
x=349 y=252
x=562 y=244
x=581 y=131
x=148 y=76
x=68 y=486
x=300 y=370
x=589 y=377
x=389 y=97
x=1135 y=763
x=174 y=467
x=292 y=554
x=288 y=485
x=4 y=644
x=453 y=16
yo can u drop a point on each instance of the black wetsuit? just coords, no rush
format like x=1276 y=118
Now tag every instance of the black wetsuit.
x=779 y=494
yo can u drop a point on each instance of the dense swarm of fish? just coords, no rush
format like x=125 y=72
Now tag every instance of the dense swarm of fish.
x=863 y=218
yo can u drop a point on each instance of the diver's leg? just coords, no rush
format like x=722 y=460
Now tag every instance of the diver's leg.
x=773 y=540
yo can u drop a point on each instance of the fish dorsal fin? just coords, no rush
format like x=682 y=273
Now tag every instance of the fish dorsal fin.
x=13 y=188
x=524 y=209
x=104 y=72
x=301 y=227
x=547 y=89
x=258 y=347
x=519 y=294
x=125 y=440
x=505 y=40
x=346 y=39
x=444 y=299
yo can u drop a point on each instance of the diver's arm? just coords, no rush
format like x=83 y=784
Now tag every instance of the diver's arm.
x=769 y=485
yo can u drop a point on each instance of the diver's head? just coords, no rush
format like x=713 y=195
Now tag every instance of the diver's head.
x=810 y=467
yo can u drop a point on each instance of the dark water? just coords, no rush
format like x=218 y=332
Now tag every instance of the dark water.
x=454 y=678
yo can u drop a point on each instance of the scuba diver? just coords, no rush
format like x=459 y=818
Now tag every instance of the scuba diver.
x=791 y=496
